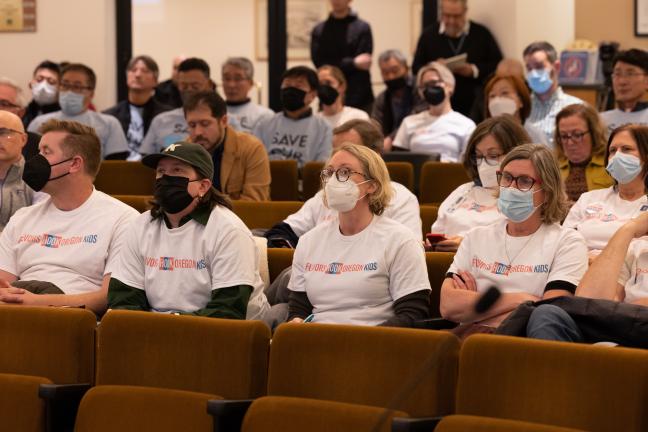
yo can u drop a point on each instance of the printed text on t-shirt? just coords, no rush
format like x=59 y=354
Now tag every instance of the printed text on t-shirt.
x=337 y=268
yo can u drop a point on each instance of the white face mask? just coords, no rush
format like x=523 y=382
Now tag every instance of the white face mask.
x=342 y=196
x=488 y=174
x=44 y=93
x=502 y=105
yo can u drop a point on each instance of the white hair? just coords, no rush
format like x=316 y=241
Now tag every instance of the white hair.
x=20 y=97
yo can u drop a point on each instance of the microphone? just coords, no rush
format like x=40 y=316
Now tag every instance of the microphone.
x=483 y=304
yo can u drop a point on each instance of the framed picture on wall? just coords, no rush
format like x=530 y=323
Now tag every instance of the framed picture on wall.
x=301 y=18
x=641 y=18
x=17 y=15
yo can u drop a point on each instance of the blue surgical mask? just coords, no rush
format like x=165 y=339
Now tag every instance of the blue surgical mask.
x=624 y=167
x=539 y=80
x=71 y=103
x=515 y=204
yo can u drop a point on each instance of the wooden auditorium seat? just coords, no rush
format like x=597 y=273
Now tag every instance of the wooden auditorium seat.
x=285 y=179
x=118 y=177
x=264 y=214
x=439 y=179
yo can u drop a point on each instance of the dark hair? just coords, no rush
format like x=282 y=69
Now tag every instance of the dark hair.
x=49 y=65
x=211 y=99
x=80 y=67
x=633 y=56
x=148 y=62
x=302 y=72
x=368 y=130
x=545 y=46
x=594 y=126
x=194 y=63
x=505 y=129
x=639 y=134
x=520 y=88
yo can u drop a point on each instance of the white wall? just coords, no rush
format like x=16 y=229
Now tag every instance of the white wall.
x=72 y=30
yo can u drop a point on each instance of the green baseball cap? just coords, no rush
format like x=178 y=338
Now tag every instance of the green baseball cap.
x=190 y=153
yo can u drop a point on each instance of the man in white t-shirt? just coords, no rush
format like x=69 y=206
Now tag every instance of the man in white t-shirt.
x=190 y=254
x=61 y=251
x=630 y=83
x=404 y=207
x=620 y=273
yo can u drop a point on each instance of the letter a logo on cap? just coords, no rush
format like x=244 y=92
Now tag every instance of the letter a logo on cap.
x=172 y=147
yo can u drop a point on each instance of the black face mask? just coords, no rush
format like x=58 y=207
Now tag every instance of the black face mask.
x=171 y=193
x=38 y=170
x=292 y=98
x=327 y=94
x=434 y=95
x=396 y=83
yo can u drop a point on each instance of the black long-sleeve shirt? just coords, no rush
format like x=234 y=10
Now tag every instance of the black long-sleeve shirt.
x=337 y=42
x=482 y=50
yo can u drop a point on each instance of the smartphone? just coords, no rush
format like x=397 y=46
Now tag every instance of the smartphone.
x=435 y=238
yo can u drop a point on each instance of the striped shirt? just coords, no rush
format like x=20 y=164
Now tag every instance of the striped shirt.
x=543 y=114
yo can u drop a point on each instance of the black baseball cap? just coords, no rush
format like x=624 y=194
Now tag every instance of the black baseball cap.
x=190 y=153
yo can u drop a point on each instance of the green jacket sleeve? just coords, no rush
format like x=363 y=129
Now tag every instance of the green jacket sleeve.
x=122 y=296
x=230 y=302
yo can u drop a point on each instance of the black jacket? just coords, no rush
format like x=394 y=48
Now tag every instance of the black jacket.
x=168 y=94
x=33 y=110
x=122 y=112
x=337 y=42
x=482 y=50
x=410 y=103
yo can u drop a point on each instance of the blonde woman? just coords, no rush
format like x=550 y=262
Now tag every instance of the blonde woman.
x=528 y=256
x=332 y=88
x=361 y=268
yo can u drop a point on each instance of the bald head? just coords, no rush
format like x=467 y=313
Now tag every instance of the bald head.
x=10 y=120
x=12 y=140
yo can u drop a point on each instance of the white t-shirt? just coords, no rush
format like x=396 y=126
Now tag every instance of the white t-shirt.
x=347 y=113
x=634 y=270
x=616 y=118
x=466 y=207
x=108 y=129
x=404 y=208
x=179 y=268
x=552 y=253
x=447 y=134
x=356 y=279
x=598 y=214
x=71 y=249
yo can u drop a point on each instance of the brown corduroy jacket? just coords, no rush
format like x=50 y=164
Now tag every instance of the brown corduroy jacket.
x=245 y=168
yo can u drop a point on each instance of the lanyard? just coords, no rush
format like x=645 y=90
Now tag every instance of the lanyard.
x=457 y=49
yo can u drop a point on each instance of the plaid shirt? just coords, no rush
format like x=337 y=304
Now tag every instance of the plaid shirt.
x=543 y=114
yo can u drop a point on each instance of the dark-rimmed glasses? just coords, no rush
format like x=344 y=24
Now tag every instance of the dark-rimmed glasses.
x=342 y=174
x=523 y=183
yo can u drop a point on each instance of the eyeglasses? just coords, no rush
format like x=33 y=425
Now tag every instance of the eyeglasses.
x=575 y=136
x=491 y=160
x=523 y=183
x=5 y=104
x=342 y=174
x=8 y=133
x=620 y=74
x=76 y=88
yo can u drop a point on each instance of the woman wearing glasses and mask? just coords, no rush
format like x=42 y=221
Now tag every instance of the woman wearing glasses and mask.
x=598 y=214
x=475 y=203
x=361 y=268
x=438 y=129
x=528 y=255
x=580 y=149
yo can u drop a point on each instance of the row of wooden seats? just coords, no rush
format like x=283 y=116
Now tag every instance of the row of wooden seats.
x=265 y=214
x=164 y=372
x=437 y=179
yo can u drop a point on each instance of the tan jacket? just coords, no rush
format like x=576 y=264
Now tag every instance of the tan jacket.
x=245 y=168
x=595 y=173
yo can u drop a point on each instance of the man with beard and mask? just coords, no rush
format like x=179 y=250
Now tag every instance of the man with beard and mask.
x=439 y=129
x=190 y=254
x=241 y=166
x=12 y=100
x=140 y=107
x=44 y=88
x=76 y=90
x=296 y=133
x=170 y=126
x=455 y=35
x=547 y=97
x=237 y=75
x=399 y=99
x=331 y=94
x=61 y=251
